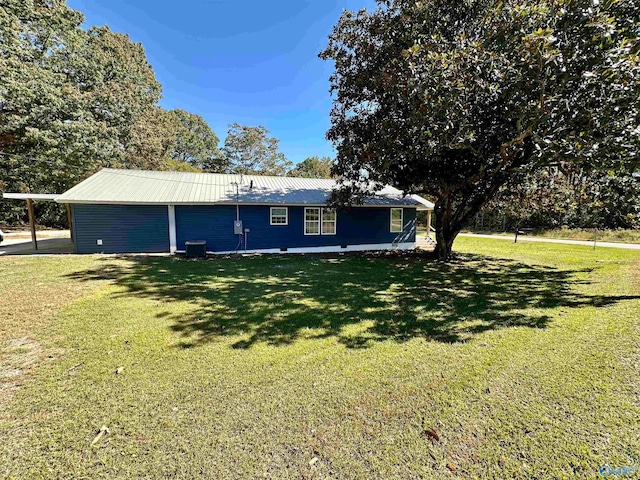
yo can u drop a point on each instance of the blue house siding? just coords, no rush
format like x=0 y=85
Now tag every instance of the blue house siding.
x=122 y=228
x=357 y=226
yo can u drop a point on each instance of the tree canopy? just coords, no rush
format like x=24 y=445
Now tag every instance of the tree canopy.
x=73 y=101
x=195 y=142
x=453 y=99
x=250 y=150
x=568 y=195
x=313 y=167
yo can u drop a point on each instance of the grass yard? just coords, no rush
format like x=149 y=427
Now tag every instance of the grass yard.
x=586 y=234
x=515 y=361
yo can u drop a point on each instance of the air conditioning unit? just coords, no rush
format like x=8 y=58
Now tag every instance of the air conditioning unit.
x=195 y=248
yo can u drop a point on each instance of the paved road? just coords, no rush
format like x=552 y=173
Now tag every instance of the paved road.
x=524 y=238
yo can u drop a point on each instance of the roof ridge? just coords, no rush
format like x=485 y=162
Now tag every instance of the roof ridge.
x=133 y=170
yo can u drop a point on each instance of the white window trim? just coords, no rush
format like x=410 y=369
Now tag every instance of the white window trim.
x=286 y=209
x=335 y=221
x=304 y=223
x=320 y=212
x=391 y=220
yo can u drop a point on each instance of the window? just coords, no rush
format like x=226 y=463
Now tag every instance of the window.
x=328 y=221
x=312 y=221
x=279 y=216
x=396 y=220
x=320 y=221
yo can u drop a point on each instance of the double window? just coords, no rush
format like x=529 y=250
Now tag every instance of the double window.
x=319 y=221
x=397 y=222
x=279 y=216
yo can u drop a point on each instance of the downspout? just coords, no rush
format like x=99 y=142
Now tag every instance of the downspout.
x=237 y=202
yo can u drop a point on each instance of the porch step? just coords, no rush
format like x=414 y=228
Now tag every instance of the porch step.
x=430 y=240
x=425 y=241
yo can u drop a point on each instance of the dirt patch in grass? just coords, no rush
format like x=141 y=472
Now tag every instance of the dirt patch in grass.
x=32 y=291
x=18 y=356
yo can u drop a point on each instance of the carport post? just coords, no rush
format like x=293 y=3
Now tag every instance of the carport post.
x=32 y=223
x=70 y=220
x=30 y=197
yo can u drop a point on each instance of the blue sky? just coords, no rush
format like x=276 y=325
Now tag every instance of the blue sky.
x=251 y=62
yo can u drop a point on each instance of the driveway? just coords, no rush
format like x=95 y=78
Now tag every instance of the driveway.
x=49 y=243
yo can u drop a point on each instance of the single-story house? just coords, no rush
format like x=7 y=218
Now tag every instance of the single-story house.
x=124 y=211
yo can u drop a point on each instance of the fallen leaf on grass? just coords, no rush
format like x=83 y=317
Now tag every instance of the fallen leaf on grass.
x=103 y=431
x=432 y=433
x=452 y=467
x=75 y=366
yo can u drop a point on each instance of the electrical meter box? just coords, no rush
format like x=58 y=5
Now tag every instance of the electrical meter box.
x=237 y=227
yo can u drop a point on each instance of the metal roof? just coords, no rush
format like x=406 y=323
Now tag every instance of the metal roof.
x=112 y=186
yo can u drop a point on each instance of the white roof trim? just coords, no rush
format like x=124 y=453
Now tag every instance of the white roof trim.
x=32 y=196
x=241 y=203
x=426 y=204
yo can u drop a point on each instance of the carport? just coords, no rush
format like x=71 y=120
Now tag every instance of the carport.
x=30 y=197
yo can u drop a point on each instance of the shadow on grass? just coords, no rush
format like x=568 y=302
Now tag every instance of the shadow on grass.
x=357 y=299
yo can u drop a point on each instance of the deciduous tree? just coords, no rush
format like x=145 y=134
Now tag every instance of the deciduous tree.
x=151 y=140
x=571 y=196
x=196 y=143
x=73 y=101
x=313 y=167
x=250 y=150
x=452 y=98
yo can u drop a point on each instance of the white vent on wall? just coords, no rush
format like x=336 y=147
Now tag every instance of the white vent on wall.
x=99 y=241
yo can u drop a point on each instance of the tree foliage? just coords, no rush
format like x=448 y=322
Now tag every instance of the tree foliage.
x=571 y=196
x=151 y=139
x=313 y=167
x=195 y=142
x=73 y=101
x=452 y=98
x=250 y=150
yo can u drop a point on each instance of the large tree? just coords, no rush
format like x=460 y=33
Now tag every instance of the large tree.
x=196 y=143
x=250 y=150
x=313 y=167
x=151 y=140
x=452 y=98
x=71 y=100
x=33 y=37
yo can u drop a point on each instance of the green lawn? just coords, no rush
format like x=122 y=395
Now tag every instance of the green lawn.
x=523 y=359
x=587 y=234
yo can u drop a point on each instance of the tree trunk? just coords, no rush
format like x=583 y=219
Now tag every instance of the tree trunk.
x=443 y=248
x=452 y=216
x=445 y=233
